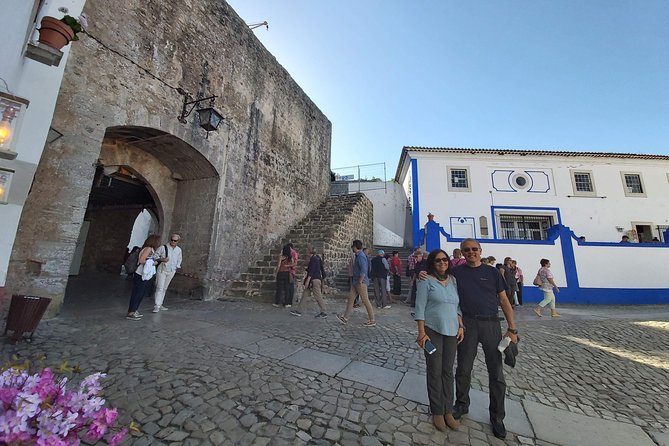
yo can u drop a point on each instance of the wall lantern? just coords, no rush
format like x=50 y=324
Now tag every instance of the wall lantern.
x=12 y=110
x=209 y=117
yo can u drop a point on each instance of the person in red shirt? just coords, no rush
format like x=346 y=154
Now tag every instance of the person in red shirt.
x=396 y=272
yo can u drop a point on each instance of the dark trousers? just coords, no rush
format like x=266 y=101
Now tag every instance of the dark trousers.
x=282 y=295
x=380 y=292
x=139 y=288
x=397 y=284
x=519 y=293
x=488 y=334
x=440 y=372
x=291 y=289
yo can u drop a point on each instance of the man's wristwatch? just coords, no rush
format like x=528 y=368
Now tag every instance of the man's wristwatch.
x=512 y=331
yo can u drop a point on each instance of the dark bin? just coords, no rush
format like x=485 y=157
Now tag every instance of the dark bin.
x=25 y=313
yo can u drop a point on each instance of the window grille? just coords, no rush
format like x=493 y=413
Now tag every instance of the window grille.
x=633 y=184
x=525 y=227
x=459 y=179
x=583 y=182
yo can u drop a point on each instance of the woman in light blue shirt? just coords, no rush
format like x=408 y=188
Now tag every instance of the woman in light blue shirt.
x=439 y=320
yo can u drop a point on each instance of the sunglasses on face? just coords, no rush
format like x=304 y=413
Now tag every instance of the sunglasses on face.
x=175 y=241
x=441 y=260
x=473 y=248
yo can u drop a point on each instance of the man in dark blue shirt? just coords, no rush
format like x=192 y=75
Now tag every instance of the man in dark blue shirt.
x=481 y=289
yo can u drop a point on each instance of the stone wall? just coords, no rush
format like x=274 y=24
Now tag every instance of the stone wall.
x=131 y=72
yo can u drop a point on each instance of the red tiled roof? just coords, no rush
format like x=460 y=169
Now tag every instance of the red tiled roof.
x=522 y=152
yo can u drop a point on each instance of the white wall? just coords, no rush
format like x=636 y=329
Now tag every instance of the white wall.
x=40 y=85
x=596 y=218
x=528 y=257
x=597 y=263
x=390 y=208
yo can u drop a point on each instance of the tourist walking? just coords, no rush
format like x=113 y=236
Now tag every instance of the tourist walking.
x=313 y=282
x=481 y=290
x=283 y=278
x=396 y=272
x=359 y=286
x=519 y=282
x=439 y=320
x=411 y=265
x=143 y=273
x=546 y=287
x=166 y=270
x=379 y=276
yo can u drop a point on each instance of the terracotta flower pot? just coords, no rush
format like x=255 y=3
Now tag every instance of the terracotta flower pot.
x=55 y=33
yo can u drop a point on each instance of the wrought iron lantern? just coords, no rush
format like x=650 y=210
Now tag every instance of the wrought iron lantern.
x=209 y=117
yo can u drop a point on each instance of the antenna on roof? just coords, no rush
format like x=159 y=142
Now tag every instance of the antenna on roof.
x=258 y=25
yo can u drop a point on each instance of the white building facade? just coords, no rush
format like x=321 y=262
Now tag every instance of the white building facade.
x=530 y=205
x=33 y=73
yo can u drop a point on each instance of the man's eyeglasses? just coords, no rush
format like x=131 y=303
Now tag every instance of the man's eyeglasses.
x=473 y=248
x=175 y=241
x=441 y=260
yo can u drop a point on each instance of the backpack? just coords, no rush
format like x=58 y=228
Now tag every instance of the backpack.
x=132 y=262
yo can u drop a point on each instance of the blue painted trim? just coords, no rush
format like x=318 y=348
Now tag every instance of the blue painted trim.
x=547 y=181
x=416 y=207
x=600 y=296
x=473 y=220
x=568 y=257
x=525 y=208
x=492 y=180
x=618 y=244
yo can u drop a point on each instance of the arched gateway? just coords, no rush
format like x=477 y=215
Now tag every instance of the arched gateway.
x=138 y=168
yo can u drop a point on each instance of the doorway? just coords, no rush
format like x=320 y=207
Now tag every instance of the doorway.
x=644 y=232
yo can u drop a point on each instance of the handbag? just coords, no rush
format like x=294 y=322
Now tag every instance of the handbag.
x=537 y=280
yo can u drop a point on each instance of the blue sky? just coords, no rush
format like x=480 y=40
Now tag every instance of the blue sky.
x=572 y=75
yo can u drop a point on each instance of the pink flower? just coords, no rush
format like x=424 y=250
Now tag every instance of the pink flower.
x=96 y=430
x=7 y=395
x=108 y=415
x=118 y=437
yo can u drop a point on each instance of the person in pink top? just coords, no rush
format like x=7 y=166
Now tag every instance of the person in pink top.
x=294 y=256
x=396 y=272
x=457 y=259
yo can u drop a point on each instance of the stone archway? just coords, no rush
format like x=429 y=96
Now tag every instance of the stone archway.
x=181 y=183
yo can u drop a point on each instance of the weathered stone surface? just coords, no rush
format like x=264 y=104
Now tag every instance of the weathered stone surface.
x=239 y=190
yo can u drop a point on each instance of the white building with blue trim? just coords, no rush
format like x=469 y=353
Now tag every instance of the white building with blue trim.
x=529 y=205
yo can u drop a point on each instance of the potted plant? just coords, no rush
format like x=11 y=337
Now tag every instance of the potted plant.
x=58 y=33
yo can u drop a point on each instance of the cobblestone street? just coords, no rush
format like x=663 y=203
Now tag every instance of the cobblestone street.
x=225 y=372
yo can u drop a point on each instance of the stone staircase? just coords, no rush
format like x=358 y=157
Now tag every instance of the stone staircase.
x=329 y=228
x=341 y=280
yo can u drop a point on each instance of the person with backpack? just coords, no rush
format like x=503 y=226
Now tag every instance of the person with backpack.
x=130 y=262
x=145 y=270
x=171 y=253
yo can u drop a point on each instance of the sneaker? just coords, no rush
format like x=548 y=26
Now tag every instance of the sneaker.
x=342 y=319
x=138 y=314
x=537 y=311
x=275 y=305
x=163 y=308
x=287 y=306
x=386 y=307
x=369 y=324
x=296 y=313
x=555 y=314
x=133 y=317
x=321 y=316
x=155 y=310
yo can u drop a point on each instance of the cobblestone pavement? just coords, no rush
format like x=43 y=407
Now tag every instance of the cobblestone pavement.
x=167 y=375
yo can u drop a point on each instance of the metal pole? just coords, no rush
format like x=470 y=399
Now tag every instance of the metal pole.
x=358 y=178
x=385 y=178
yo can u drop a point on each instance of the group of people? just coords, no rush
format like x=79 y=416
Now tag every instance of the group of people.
x=153 y=260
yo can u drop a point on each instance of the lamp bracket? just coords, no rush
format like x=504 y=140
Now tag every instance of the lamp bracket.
x=186 y=111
